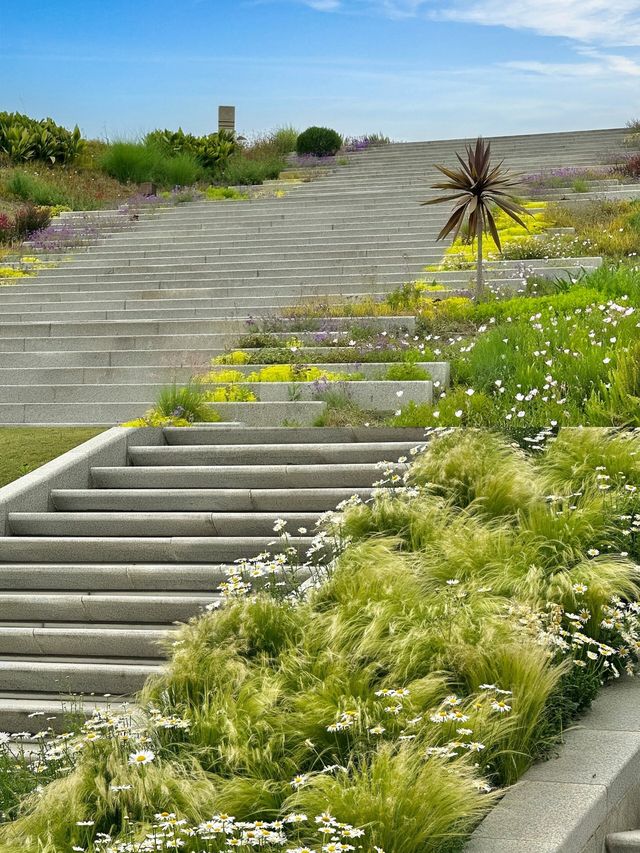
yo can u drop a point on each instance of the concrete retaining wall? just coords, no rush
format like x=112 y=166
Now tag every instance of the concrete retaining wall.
x=570 y=803
x=72 y=470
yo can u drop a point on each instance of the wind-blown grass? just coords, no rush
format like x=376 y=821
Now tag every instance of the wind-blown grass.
x=470 y=613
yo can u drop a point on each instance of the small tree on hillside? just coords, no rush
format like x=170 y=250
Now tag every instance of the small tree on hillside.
x=476 y=188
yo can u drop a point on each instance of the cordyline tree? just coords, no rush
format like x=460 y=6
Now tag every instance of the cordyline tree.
x=475 y=189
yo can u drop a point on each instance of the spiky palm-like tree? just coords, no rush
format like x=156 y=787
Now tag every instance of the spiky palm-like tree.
x=475 y=189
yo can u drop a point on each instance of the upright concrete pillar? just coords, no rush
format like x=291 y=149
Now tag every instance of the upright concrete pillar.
x=227 y=118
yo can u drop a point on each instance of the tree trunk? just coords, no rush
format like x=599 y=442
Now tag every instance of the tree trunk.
x=479 y=274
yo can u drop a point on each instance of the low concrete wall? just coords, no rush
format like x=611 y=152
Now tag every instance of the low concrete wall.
x=72 y=470
x=570 y=803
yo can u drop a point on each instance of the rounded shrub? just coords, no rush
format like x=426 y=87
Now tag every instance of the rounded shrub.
x=320 y=141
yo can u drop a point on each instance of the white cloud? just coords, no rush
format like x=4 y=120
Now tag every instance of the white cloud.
x=602 y=65
x=612 y=22
x=323 y=5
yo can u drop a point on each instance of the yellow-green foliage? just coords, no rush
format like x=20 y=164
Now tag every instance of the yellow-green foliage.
x=235 y=357
x=225 y=194
x=295 y=373
x=231 y=394
x=11 y=272
x=156 y=419
x=461 y=252
x=277 y=373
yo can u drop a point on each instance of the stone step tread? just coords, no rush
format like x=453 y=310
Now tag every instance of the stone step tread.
x=155 y=524
x=152 y=549
x=213 y=500
x=114 y=578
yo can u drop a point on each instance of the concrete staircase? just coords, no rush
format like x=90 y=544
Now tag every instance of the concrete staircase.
x=90 y=586
x=90 y=341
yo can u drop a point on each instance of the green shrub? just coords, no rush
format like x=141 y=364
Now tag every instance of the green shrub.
x=319 y=141
x=35 y=190
x=406 y=372
x=135 y=162
x=183 y=170
x=241 y=171
x=284 y=139
x=23 y=139
x=130 y=162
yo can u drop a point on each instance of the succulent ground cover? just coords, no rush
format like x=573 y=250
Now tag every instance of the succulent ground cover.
x=465 y=615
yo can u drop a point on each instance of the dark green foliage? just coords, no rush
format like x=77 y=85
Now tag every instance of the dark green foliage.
x=319 y=141
x=23 y=138
x=135 y=162
x=211 y=151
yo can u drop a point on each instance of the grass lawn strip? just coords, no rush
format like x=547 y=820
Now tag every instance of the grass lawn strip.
x=23 y=449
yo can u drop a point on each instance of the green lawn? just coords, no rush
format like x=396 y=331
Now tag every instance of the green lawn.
x=24 y=448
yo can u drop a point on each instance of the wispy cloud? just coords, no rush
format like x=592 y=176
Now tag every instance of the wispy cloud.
x=602 y=65
x=610 y=22
x=323 y=5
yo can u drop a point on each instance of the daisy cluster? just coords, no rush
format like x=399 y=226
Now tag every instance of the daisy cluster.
x=294 y=833
x=133 y=730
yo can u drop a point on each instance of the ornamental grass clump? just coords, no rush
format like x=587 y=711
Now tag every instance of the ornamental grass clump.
x=464 y=615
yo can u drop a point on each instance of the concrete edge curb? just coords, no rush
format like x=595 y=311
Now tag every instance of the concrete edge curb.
x=71 y=470
x=590 y=788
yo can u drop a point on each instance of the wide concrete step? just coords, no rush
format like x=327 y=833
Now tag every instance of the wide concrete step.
x=114 y=577
x=623 y=842
x=114 y=342
x=252 y=266
x=270 y=454
x=140 y=258
x=264 y=476
x=77 y=607
x=54 y=295
x=60 y=675
x=123 y=549
x=146 y=375
x=25 y=712
x=107 y=640
x=107 y=413
x=203 y=434
x=211 y=500
x=229 y=327
x=156 y=523
x=375 y=395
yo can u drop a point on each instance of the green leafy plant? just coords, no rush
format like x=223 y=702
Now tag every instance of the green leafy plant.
x=319 y=141
x=476 y=188
x=211 y=151
x=23 y=139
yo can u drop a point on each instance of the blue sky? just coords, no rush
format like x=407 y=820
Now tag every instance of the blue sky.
x=414 y=69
